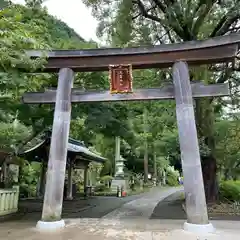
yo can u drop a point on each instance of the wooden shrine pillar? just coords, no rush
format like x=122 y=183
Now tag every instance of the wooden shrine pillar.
x=42 y=180
x=191 y=164
x=52 y=207
x=5 y=171
x=85 y=180
x=70 y=180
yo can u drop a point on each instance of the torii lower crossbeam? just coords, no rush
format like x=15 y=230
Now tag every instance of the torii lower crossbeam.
x=79 y=96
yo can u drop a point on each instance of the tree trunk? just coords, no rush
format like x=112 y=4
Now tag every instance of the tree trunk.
x=155 y=165
x=155 y=168
x=205 y=126
x=209 y=168
x=227 y=174
x=145 y=145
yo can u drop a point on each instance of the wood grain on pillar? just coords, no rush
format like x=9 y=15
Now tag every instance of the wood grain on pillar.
x=70 y=180
x=190 y=156
x=52 y=207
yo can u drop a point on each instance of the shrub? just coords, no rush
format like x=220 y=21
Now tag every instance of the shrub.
x=106 y=180
x=172 y=180
x=147 y=184
x=134 y=180
x=230 y=190
x=100 y=187
x=172 y=177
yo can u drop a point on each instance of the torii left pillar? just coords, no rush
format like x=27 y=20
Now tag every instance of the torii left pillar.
x=53 y=198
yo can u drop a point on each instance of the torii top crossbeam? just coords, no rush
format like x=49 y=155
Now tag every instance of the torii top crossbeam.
x=214 y=50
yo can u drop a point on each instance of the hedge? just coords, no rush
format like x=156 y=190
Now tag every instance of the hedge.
x=230 y=190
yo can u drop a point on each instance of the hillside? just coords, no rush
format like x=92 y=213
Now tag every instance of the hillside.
x=55 y=30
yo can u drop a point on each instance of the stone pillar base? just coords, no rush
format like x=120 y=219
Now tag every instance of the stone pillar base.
x=69 y=198
x=50 y=226
x=199 y=228
x=118 y=183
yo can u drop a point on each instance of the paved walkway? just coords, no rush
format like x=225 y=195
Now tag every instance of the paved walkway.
x=142 y=207
x=130 y=221
x=96 y=207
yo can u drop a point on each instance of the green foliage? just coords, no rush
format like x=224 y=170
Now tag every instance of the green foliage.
x=100 y=187
x=134 y=180
x=31 y=27
x=227 y=148
x=26 y=28
x=11 y=134
x=28 y=179
x=172 y=177
x=16 y=37
x=106 y=180
x=171 y=180
x=230 y=190
x=106 y=193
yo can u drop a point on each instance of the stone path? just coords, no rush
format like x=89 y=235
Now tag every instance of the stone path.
x=142 y=207
x=170 y=208
x=96 y=207
x=130 y=221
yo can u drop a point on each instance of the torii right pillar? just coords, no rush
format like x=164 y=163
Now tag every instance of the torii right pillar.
x=196 y=208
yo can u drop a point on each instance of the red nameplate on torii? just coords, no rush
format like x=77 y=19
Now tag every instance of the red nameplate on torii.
x=120 y=78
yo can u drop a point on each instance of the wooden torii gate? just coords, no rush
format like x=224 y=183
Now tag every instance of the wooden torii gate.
x=211 y=51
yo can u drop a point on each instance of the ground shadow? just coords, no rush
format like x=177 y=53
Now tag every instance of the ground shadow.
x=169 y=208
x=93 y=207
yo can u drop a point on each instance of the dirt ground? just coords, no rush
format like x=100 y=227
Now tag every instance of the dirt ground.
x=139 y=229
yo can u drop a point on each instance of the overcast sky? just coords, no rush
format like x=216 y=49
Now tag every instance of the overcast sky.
x=75 y=14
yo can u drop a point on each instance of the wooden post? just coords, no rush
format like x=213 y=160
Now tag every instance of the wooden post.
x=5 y=172
x=85 y=180
x=164 y=178
x=70 y=180
x=42 y=179
x=190 y=156
x=52 y=207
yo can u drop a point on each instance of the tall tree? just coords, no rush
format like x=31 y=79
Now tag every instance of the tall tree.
x=145 y=129
x=125 y=22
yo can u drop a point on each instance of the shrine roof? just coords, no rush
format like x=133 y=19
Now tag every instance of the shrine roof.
x=213 y=50
x=74 y=147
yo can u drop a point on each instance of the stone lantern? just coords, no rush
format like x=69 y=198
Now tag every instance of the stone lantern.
x=120 y=168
